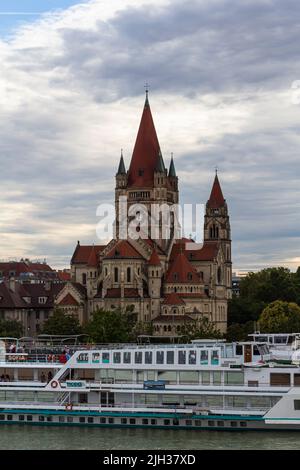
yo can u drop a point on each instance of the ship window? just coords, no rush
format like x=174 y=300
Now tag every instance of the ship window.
x=90 y=420
x=82 y=419
x=181 y=357
x=188 y=377
x=96 y=357
x=49 y=419
x=70 y=419
x=243 y=424
x=175 y=422
x=215 y=357
x=159 y=357
x=21 y=417
x=2 y=417
x=239 y=350
x=41 y=418
x=296 y=404
x=205 y=377
x=127 y=357
x=234 y=378
x=233 y=424
x=153 y=421
x=102 y=420
x=197 y=422
x=132 y=421
x=217 y=376
x=204 y=357
x=138 y=357
x=192 y=357
x=117 y=357
x=9 y=417
x=111 y=420
x=123 y=420
x=148 y=357
x=144 y=421
x=220 y=424
x=188 y=422
x=211 y=423
x=167 y=422
x=168 y=375
x=170 y=357
x=61 y=419
x=255 y=350
x=105 y=357
x=29 y=417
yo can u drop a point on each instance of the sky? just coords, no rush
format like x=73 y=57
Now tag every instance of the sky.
x=224 y=81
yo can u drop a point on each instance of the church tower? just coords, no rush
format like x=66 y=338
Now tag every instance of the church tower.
x=217 y=230
x=147 y=181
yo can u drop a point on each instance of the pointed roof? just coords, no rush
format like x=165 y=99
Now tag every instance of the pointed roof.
x=216 y=198
x=121 y=168
x=146 y=152
x=123 y=249
x=173 y=299
x=154 y=259
x=181 y=271
x=68 y=300
x=160 y=163
x=172 y=171
x=92 y=261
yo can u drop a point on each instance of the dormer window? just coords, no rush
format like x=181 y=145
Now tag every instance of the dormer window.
x=190 y=276
x=42 y=300
x=175 y=276
x=140 y=171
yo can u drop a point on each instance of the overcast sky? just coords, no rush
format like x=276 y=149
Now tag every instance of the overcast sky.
x=223 y=92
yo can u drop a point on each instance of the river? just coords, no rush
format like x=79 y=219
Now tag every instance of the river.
x=28 y=437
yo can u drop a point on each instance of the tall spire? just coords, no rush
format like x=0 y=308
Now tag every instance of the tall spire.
x=172 y=171
x=146 y=152
x=216 y=198
x=160 y=164
x=121 y=169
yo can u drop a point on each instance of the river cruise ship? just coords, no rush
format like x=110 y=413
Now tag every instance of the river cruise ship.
x=207 y=384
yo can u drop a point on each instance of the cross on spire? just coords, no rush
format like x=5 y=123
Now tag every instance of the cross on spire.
x=147 y=86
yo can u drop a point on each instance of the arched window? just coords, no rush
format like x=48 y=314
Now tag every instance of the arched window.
x=219 y=275
x=116 y=274
x=128 y=274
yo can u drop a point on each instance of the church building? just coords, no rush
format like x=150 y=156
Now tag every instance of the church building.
x=164 y=281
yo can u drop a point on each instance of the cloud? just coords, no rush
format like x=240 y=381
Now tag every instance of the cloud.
x=220 y=72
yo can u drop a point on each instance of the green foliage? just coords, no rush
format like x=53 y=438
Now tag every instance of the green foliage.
x=239 y=331
x=11 y=328
x=259 y=289
x=201 y=329
x=62 y=324
x=280 y=317
x=111 y=326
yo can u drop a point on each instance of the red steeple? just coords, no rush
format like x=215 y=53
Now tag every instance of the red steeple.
x=181 y=271
x=154 y=259
x=146 y=152
x=216 y=198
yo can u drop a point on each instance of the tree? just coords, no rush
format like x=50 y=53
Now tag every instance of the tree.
x=259 y=289
x=11 y=328
x=239 y=331
x=202 y=328
x=280 y=317
x=62 y=324
x=111 y=326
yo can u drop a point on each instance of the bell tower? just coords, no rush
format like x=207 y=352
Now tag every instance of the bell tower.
x=217 y=230
x=147 y=181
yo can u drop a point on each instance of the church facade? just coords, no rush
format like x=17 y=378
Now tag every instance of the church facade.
x=167 y=282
